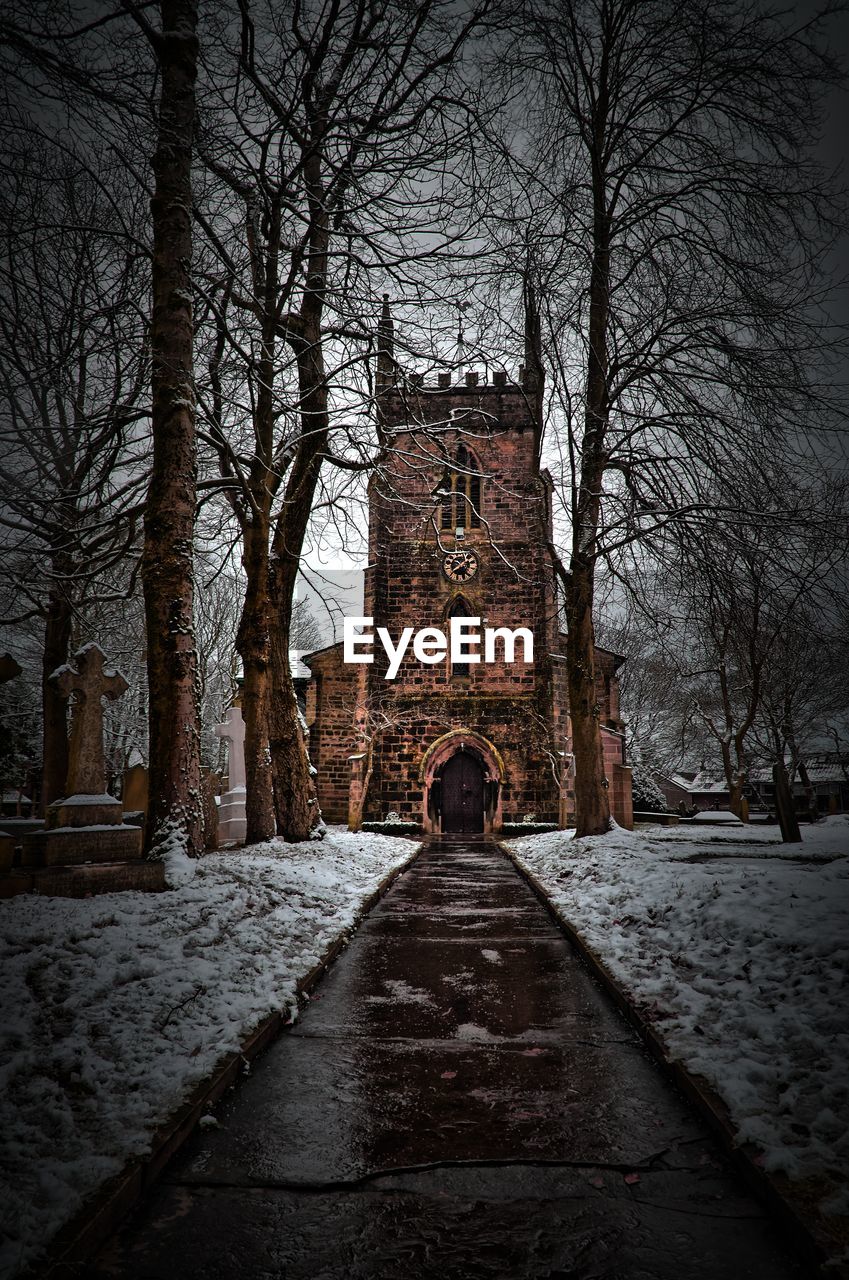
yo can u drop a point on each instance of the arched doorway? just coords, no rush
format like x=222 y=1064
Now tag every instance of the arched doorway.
x=462 y=793
x=461 y=741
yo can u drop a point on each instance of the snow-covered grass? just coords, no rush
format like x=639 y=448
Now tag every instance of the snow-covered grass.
x=115 y=1007
x=737 y=949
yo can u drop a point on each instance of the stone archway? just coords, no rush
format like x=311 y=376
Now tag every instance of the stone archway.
x=477 y=755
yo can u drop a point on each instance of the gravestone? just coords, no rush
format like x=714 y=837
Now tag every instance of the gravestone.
x=7 y=851
x=134 y=788
x=9 y=668
x=210 y=786
x=232 y=821
x=84 y=831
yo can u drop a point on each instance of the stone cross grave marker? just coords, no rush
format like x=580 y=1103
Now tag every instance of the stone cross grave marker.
x=85 y=847
x=233 y=732
x=90 y=680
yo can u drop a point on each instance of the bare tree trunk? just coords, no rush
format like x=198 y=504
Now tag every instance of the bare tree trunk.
x=254 y=646
x=733 y=777
x=592 y=799
x=738 y=803
x=357 y=813
x=592 y=795
x=799 y=764
x=787 y=820
x=295 y=800
x=167 y=560
x=57 y=640
x=735 y=797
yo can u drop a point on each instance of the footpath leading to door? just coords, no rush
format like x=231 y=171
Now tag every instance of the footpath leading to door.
x=460 y=1100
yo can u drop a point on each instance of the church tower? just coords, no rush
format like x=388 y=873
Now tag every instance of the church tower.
x=460 y=527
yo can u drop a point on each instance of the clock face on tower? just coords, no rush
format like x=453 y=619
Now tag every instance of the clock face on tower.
x=460 y=566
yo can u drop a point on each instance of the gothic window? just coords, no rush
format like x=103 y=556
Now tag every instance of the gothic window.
x=460 y=608
x=461 y=492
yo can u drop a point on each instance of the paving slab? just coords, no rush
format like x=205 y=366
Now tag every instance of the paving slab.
x=459 y=1100
x=343 y=1110
x=459 y=990
x=557 y=1226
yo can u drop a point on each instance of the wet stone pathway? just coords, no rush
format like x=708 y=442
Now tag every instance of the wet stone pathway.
x=459 y=1100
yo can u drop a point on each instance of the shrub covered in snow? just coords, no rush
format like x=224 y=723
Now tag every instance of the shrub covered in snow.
x=647 y=795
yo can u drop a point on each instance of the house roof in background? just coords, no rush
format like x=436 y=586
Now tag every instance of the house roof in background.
x=296 y=666
x=700 y=783
x=820 y=769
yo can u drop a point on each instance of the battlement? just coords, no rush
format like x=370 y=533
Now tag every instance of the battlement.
x=469 y=380
x=409 y=402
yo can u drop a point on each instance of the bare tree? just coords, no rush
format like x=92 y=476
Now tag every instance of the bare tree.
x=89 y=80
x=73 y=425
x=176 y=811
x=218 y=597
x=734 y=602
x=370 y=720
x=806 y=687
x=324 y=143
x=674 y=244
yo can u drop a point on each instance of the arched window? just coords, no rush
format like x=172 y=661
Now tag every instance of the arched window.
x=461 y=492
x=460 y=608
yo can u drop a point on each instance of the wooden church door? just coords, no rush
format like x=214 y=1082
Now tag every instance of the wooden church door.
x=462 y=794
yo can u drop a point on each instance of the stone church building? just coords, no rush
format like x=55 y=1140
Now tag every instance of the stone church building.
x=460 y=525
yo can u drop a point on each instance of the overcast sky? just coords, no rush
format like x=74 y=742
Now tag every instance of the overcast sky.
x=834 y=146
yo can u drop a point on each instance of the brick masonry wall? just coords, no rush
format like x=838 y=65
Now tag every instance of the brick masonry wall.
x=521 y=708
x=508 y=704
x=331 y=701
x=512 y=725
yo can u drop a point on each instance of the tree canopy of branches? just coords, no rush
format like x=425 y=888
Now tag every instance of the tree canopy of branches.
x=662 y=212
x=327 y=141
x=675 y=236
x=738 y=656
x=73 y=364
x=744 y=600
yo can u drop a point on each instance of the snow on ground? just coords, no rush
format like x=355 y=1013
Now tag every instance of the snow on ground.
x=115 y=1007
x=737 y=949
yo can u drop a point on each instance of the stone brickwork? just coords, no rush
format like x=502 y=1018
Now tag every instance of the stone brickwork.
x=70 y=846
x=84 y=881
x=330 y=713
x=512 y=717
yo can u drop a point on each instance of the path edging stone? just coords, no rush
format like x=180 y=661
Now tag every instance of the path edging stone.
x=814 y=1245
x=101 y=1216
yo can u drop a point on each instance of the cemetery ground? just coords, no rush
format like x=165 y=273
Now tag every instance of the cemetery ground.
x=733 y=946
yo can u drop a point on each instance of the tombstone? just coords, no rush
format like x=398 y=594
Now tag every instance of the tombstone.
x=85 y=828
x=232 y=820
x=210 y=786
x=7 y=852
x=134 y=787
x=8 y=668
